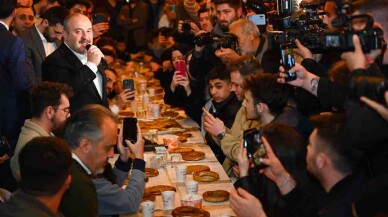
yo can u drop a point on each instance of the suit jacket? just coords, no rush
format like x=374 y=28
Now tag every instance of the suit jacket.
x=14 y=85
x=139 y=28
x=80 y=200
x=35 y=53
x=63 y=66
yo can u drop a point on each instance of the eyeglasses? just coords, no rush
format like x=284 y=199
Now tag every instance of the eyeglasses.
x=66 y=110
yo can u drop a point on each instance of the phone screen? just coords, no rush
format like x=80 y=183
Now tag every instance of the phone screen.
x=181 y=67
x=130 y=130
x=287 y=56
x=129 y=84
x=288 y=60
x=255 y=147
x=258 y=19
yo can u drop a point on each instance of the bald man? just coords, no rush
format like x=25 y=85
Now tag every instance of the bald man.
x=75 y=65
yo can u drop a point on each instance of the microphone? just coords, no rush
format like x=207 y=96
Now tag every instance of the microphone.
x=103 y=62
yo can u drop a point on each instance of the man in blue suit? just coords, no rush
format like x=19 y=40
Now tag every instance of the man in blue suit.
x=14 y=80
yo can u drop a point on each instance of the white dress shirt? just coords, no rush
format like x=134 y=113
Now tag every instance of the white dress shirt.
x=84 y=60
x=49 y=47
x=75 y=157
x=6 y=26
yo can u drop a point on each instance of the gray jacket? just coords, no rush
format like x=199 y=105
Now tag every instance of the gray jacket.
x=113 y=199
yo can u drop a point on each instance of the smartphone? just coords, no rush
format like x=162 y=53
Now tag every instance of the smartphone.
x=258 y=19
x=181 y=67
x=129 y=84
x=130 y=130
x=288 y=60
x=99 y=18
x=255 y=147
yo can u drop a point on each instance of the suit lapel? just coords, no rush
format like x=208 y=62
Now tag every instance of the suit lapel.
x=38 y=42
x=72 y=58
x=103 y=80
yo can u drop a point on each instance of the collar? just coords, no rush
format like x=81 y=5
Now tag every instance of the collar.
x=222 y=104
x=41 y=35
x=81 y=57
x=75 y=157
x=6 y=26
x=261 y=45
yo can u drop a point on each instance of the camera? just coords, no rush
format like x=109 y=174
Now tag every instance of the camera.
x=216 y=42
x=371 y=87
x=255 y=147
x=308 y=28
x=186 y=26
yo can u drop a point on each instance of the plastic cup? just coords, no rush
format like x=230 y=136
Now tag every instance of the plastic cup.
x=191 y=187
x=168 y=199
x=181 y=173
x=148 y=208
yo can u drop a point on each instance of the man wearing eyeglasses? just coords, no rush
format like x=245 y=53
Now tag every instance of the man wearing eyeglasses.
x=50 y=108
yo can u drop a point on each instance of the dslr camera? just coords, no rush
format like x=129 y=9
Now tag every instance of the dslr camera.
x=255 y=147
x=216 y=42
x=186 y=26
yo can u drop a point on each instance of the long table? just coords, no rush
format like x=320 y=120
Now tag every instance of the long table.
x=167 y=174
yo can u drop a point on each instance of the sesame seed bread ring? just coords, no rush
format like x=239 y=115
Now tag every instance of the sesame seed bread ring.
x=206 y=176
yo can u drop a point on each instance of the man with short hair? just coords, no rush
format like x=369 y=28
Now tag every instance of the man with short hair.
x=73 y=64
x=15 y=82
x=41 y=6
x=85 y=7
x=45 y=165
x=227 y=11
x=23 y=21
x=42 y=39
x=50 y=108
x=229 y=139
x=122 y=99
x=223 y=104
x=205 y=22
x=91 y=133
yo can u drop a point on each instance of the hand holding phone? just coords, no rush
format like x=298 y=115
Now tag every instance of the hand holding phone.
x=129 y=84
x=181 y=67
x=255 y=147
x=130 y=130
x=288 y=60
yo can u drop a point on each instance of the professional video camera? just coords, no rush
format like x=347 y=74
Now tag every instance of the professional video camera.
x=308 y=29
x=216 y=42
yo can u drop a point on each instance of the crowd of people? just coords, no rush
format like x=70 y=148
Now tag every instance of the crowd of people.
x=323 y=132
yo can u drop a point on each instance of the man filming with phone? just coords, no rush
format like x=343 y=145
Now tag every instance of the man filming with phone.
x=117 y=100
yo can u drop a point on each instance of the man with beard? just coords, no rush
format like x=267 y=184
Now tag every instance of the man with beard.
x=40 y=7
x=250 y=42
x=42 y=39
x=50 y=108
x=118 y=100
x=73 y=64
x=228 y=11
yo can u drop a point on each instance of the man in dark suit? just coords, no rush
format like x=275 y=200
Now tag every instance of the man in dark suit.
x=14 y=80
x=42 y=39
x=91 y=133
x=72 y=63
